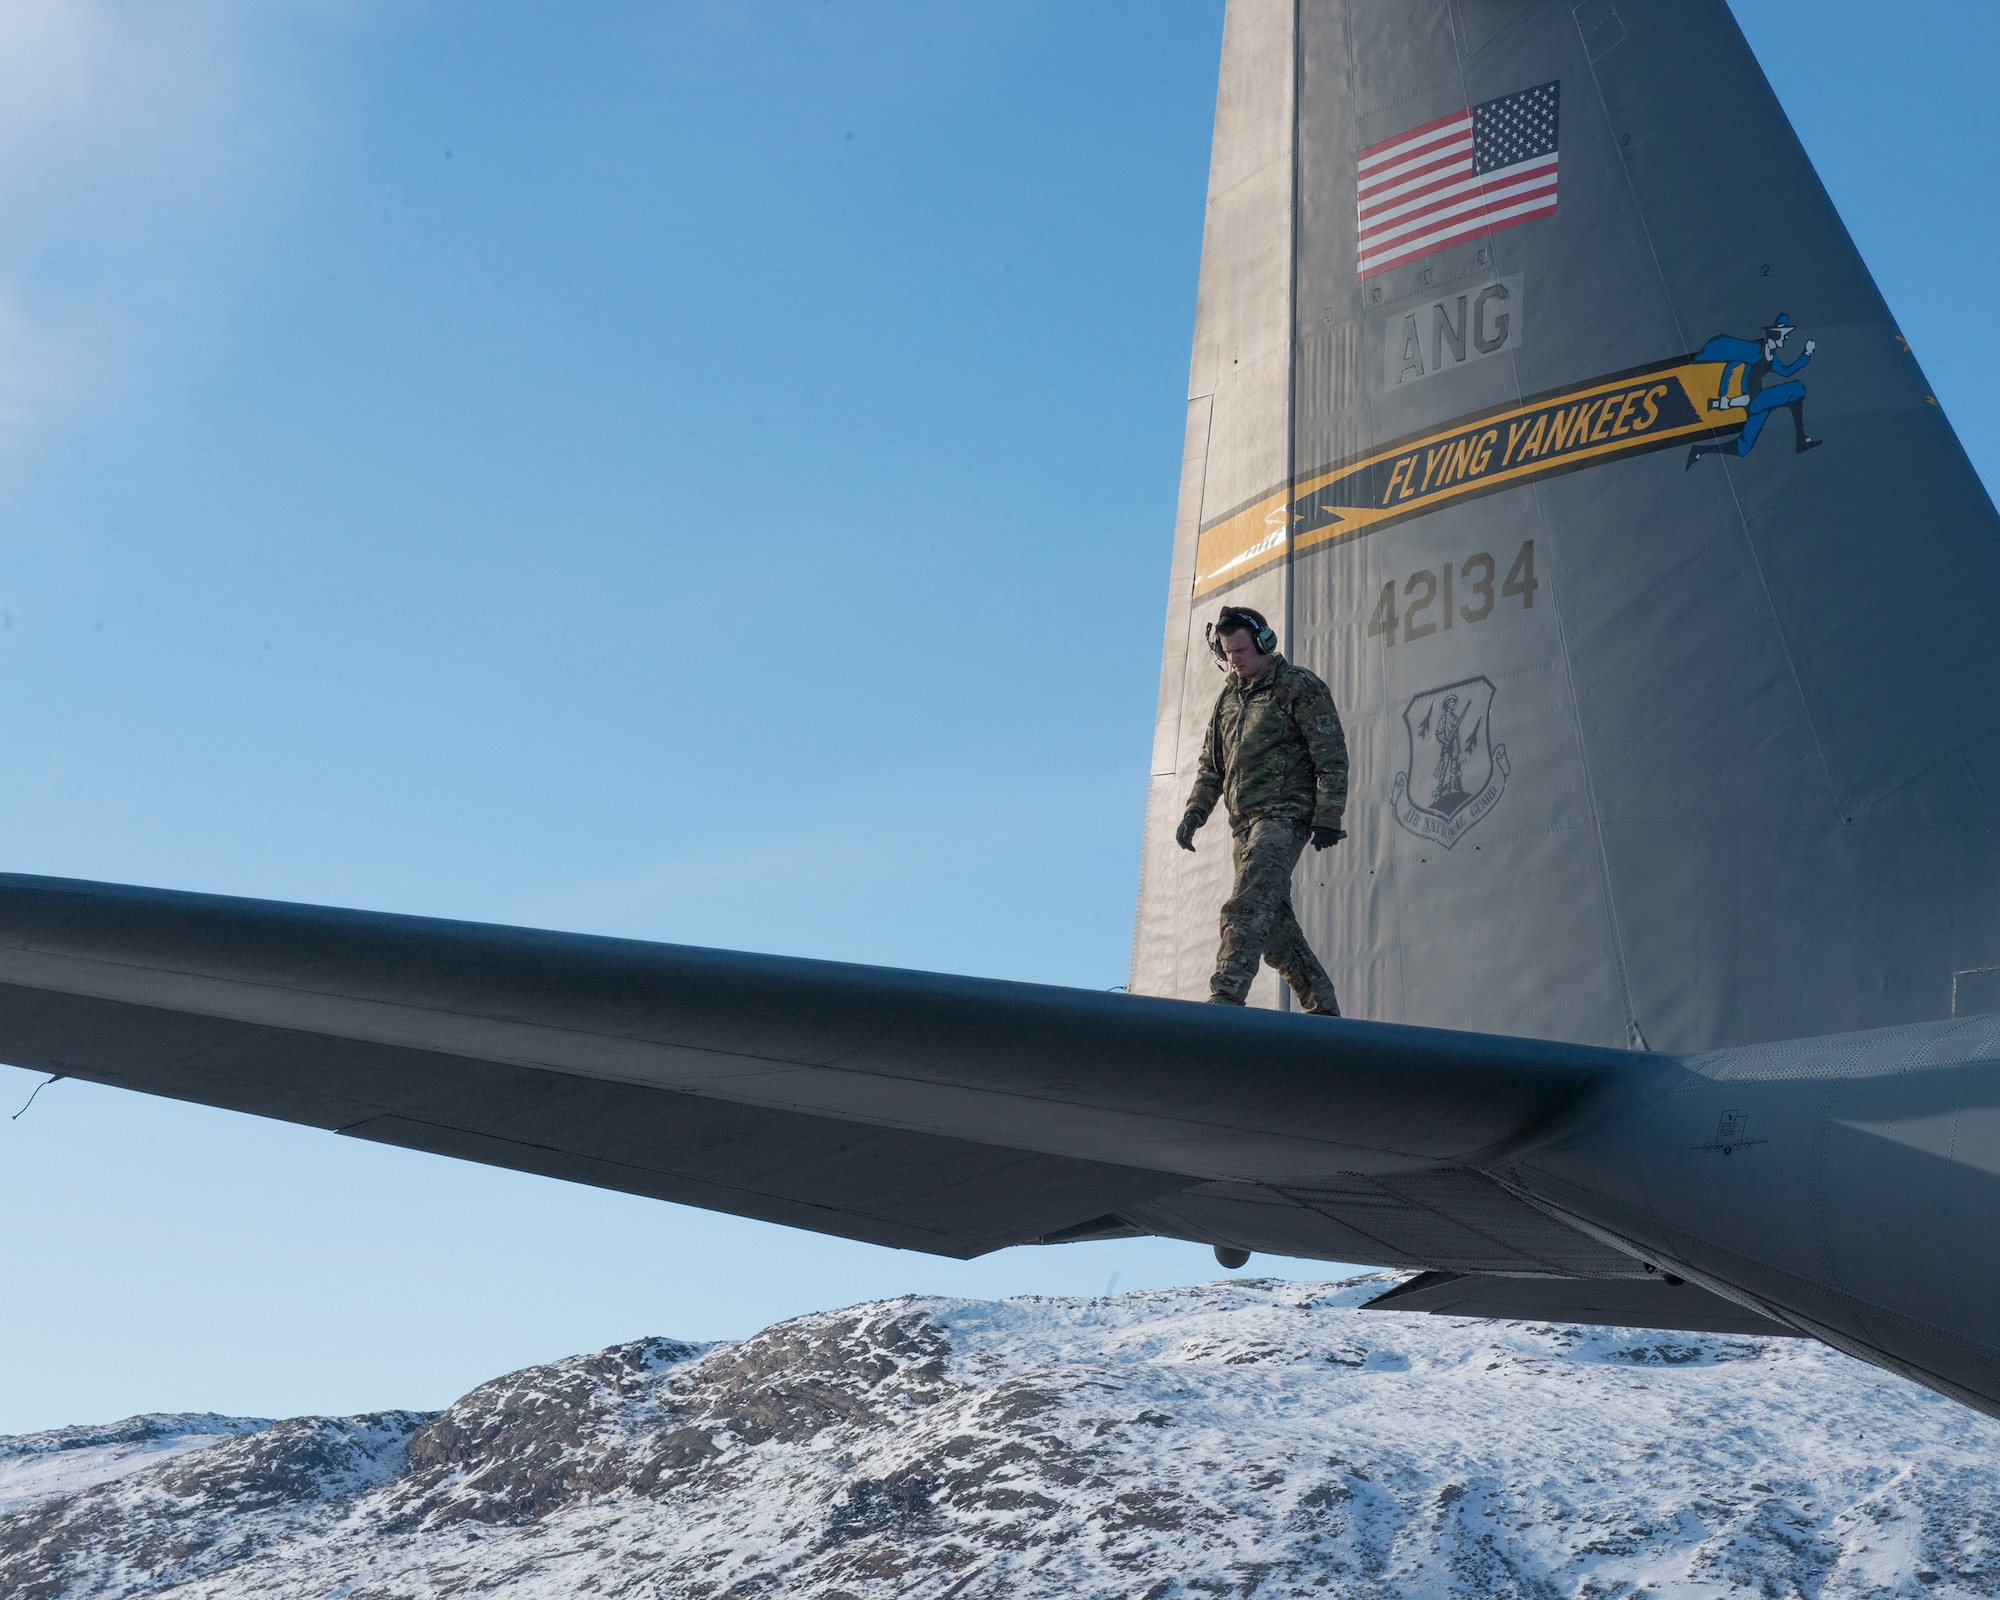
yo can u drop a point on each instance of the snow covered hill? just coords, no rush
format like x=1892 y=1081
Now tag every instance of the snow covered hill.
x=1242 y=1438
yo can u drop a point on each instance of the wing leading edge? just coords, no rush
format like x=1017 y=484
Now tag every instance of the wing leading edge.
x=936 y=1113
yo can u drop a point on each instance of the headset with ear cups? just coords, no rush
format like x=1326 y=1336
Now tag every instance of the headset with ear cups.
x=1235 y=618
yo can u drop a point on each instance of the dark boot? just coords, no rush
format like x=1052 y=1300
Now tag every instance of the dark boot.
x=1697 y=451
x=1317 y=999
x=1801 y=443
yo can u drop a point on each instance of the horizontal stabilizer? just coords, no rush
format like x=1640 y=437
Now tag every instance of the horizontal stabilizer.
x=952 y=1115
x=1653 y=1302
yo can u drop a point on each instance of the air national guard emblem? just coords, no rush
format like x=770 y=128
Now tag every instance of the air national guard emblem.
x=1455 y=773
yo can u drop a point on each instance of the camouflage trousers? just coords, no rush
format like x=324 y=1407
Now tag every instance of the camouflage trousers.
x=1257 y=920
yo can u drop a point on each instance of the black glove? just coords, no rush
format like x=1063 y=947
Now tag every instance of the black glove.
x=1322 y=837
x=1184 y=834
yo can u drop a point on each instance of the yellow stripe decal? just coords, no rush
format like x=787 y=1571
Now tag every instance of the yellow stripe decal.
x=1597 y=422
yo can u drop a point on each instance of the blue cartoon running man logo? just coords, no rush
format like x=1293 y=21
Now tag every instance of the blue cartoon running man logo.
x=1757 y=361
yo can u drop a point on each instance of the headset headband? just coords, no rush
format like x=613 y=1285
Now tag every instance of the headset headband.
x=1240 y=619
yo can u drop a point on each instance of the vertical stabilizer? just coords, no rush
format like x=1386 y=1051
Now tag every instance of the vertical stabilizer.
x=1539 y=389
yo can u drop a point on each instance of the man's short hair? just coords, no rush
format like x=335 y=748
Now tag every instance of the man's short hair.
x=1240 y=619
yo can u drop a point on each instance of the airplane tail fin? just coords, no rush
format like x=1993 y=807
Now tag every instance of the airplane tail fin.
x=1539 y=390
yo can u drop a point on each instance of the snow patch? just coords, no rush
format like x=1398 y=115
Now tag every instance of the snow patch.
x=38 y=1466
x=1243 y=1437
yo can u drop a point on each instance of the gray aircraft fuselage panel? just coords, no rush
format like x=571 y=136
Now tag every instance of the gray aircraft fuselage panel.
x=1726 y=768
x=1854 y=1182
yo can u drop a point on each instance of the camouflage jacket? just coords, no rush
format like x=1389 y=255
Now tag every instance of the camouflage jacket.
x=1274 y=749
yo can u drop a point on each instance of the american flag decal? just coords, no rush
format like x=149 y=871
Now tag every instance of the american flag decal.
x=1474 y=172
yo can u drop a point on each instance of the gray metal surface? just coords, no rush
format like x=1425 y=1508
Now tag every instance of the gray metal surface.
x=1654 y=1301
x=1750 y=789
x=1849 y=1186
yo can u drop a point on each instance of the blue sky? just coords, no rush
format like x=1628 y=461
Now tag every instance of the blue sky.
x=695 y=472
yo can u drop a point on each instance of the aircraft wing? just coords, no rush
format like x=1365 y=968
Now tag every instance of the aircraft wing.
x=945 y=1114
